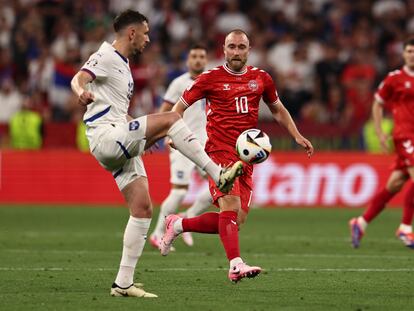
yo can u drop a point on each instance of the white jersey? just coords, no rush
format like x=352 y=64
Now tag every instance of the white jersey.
x=195 y=115
x=112 y=86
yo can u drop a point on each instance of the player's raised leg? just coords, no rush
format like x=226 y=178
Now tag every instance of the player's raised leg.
x=171 y=124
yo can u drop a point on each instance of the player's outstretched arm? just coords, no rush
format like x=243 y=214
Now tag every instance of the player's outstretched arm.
x=78 y=84
x=283 y=117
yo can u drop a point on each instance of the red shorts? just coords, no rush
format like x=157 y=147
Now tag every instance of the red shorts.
x=242 y=186
x=404 y=148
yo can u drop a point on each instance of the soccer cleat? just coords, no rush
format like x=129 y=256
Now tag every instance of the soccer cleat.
x=155 y=242
x=243 y=270
x=187 y=238
x=356 y=232
x=406 y=238
x=131 y=291
x=228 y=175
x=169 y=235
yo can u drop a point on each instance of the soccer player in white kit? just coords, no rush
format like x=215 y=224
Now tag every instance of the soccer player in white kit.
x=105 y=86
x=180 y=166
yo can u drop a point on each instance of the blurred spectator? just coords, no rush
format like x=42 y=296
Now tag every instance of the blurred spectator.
x=232 y=18
x=358 y=77
x=296 y=82
x=25 y=127
x=10 y=100
x=328 y=71
x=7 y=67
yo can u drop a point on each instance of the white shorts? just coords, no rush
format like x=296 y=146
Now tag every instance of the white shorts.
x=118 y=146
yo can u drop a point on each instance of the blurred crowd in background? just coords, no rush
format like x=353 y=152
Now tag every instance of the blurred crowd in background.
x=326 y=56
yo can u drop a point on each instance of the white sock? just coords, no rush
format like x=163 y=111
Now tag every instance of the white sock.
x=168 y=206
x=406 y=228
x=202 y=203
x=234 y=262
x=362 y=223
x=178 y=226
x=134 y=240
x=185 y=141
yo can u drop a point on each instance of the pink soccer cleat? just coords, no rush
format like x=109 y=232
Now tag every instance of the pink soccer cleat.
x=156 y=241
x=170 y=235
x=243 y=270
x=356 y=232
x=406 y=238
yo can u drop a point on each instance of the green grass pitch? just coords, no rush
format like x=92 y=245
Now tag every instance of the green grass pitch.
x=65 y=258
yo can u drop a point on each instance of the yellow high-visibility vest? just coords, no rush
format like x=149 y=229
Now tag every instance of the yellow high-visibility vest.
x=25 y=129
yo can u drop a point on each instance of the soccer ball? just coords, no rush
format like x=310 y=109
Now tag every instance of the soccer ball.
x=253 y=146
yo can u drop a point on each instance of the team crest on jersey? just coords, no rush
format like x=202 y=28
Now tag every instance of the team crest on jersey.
x=253 y=85
x=226 y=87
x=407 y=84
x=133 y=125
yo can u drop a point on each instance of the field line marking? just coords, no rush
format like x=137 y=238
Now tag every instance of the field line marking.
x=287 y=269
x=257 y=255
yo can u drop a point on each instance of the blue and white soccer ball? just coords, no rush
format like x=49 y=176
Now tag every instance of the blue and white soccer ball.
x=253 y=146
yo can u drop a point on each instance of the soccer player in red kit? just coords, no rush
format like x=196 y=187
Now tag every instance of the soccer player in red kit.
x=233 y=92
x=397 y=93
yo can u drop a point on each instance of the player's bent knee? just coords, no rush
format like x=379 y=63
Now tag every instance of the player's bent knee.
x=140 y=210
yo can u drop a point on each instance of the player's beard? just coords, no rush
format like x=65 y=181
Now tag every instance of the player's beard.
x=237 y=64
x=197 y=70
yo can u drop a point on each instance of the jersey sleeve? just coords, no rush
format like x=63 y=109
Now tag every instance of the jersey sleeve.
x=195 y=91
x=172 y=95
x=97 y=66
x=270 y=95
x=384 y=91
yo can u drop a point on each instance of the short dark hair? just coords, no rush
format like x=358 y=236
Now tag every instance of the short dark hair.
x=127 y=18
x=198 y=46
x=409 y=41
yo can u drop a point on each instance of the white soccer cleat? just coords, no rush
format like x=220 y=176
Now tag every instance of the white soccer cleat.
x=131 y=291
x=187 y=238
x=228 y=175
x=170 y=235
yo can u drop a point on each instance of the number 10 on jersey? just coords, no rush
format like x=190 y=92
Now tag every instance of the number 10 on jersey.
x=242 y=105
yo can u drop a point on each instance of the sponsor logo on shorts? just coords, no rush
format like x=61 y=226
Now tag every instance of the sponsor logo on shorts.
x=180 y=174
x=133 y=125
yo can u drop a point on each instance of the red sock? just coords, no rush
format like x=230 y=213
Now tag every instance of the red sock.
x=229 y=233
x=205 y=223
x=408 y=210
x=377 y=204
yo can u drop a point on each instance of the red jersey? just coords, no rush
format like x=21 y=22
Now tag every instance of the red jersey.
x=397 y=93
x=232 y=102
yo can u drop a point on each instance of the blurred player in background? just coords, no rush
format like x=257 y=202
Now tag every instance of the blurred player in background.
x=104 y=84
x=396 y=92
x=181 y=167
x=233 y=92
